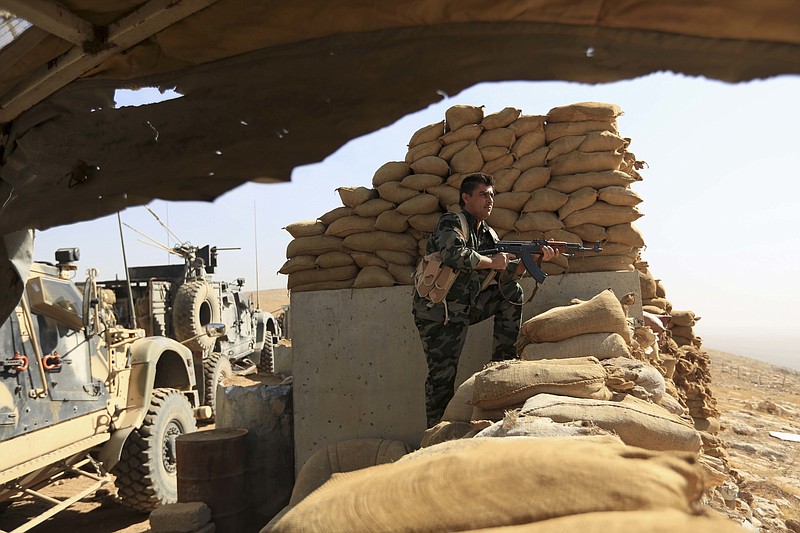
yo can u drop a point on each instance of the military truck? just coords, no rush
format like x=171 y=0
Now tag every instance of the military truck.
x=83 y=395
x=179 y=300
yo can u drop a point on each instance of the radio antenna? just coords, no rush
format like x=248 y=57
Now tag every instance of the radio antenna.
x=255 y=233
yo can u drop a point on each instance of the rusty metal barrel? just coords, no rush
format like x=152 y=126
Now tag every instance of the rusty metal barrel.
x=212 y=468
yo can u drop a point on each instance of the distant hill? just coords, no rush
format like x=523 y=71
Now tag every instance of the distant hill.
x=271 y=300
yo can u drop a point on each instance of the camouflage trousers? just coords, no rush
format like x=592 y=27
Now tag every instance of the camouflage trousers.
x=443 y=343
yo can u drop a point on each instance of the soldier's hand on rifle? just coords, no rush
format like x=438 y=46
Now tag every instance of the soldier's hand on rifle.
x=500 y=261
x=548 y=253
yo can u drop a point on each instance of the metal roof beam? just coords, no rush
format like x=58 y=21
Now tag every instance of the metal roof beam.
x=53 y=18
x=148 y=20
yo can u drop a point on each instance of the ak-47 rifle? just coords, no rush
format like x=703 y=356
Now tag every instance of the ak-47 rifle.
x=525 y=250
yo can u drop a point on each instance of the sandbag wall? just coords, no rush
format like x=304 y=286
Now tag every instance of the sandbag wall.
x=565 y=175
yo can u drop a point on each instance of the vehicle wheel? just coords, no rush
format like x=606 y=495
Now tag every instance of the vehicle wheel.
x=196 y=305
x=266 y=362
x=215 y=368
x=147 y=471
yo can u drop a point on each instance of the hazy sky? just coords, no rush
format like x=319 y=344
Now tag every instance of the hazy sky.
x=721 y=200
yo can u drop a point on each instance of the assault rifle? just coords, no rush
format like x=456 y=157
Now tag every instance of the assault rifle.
x=525 y=249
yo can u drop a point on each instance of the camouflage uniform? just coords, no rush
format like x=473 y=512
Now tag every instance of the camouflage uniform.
x=466 y=304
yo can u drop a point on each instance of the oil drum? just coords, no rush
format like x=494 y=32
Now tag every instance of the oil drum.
x=212 y=467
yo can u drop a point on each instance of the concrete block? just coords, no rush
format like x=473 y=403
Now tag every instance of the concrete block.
x=283 y=360
x=180 y=517
x=359 y=368
x=266 y=412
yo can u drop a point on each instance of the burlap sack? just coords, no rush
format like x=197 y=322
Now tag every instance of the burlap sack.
x=394 y=192
x=589 y=232
x=503 y=137
x=431 y=165
x=373 y=208
x=647 y=284
x=512 y=382
x=511 y=200
x=490 y=153
x=618 y=195
x=445 y=431
x=467 y=160
x=324 y=285
x=298 y=263
x=446 y=194
x=501 y=218
x=335 y=214
x=538 y=221
x=392 y=221
x=528 y=123
x=636 y=422
x=460 y=115
x=505 y=179
x=683 y=318
x=648 y=383
x=421 y=204
x=353 y=196
x=380 y=240
x=415 y=153
x=603 y=214
x=599 y=345
x=428 y=133
x=601 y=263
x=458 y=408
x=306 y=228
x=497 y=482
x=449 y=150
x=426 y=222
x=364 y=259
x=349 y=225
x=583 y=111
x=561 y=235
x=603 y=141
x=625 y=234
x=601 y=314
x=501 y=119
x=391 y=171
x=398 y=258
x=468 y=132
x=321 y=275
x=580 y=162
x=572 y=182
x=373 y=276
x=333 y=259
x=564 y=145
x=580 y=199
x=420 y=182
x=528 y=143
x=513 y=425
x=556 y=130
x=402 y=274
x=532 y=179
x=544 y=200
x=666 y=521
x=315 y=245
x=344 y=456
x=490 y=167
x=661 y=291
x=537 y=158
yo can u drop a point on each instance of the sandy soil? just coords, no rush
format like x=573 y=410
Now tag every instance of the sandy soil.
x=754 y=398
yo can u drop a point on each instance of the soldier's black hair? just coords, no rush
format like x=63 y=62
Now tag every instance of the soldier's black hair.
x=471 y=181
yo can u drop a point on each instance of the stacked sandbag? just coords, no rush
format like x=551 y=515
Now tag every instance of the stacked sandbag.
x=564 y=176
x=494 y=482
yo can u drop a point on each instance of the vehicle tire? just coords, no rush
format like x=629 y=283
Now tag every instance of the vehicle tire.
x=196 y=304
x=266 y=361
x=215 y=368
x=147 y=471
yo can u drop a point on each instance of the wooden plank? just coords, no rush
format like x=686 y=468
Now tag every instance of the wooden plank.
x=21 y=47
x=148 y=20
x=53 y=18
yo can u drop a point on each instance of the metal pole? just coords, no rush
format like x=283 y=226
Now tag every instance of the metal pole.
x=131 y=307
x=255 y=233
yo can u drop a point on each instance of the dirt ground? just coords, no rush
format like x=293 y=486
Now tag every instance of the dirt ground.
x=754 y=398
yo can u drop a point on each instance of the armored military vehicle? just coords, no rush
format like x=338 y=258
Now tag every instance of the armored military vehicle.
x=81 y=394
x=179 y=300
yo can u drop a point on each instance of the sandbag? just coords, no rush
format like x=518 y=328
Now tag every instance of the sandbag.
x=500 y=119
x=467 y=160
x=599 y=345
x=579 y=162
x=497 y=482
x=527 y=123
x=391 y=171
x=626 y=233
x=333 y=259
x=583 y=111
x=505 y=179
x=458 y=408
x=580 y=199
x=314 y=245
x=537 y=158
x=501 y=218
x=392 y=221
x=420 y=182
x=353 y=196
x=601 y=314
x=306 y=228
x=538 y=221
x=460 y=115
x=601 y=263
x=467 y=132
x=398 y=258
x=335 y=214
x=415 y=153
x=512 y=382
x=297 y=263
x=446 y=194
x=572 y=182
x=528 y=143
x=344 y=456
x=544 y=199
x=373 y=276
x=511 y=200
x=349 y=225
x=445 y=431
x=603 y=214
x=324 y=285
x=431 y=165
x=503 y=137
x=379 y=240
x=636 y=422
x=402 y=274
x=428 y=133
x=373 y=208
x=419 y=205
x=394 y=192
x=513 y=425
x=449 y=150
x=643 y=375
x=490 y=167
x=556 y=130
x=618 y=195
x=321 y=275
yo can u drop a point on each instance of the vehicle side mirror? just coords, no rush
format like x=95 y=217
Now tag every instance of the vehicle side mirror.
x=214 y=330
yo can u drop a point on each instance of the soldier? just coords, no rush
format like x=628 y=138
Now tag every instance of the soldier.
x=443 y=327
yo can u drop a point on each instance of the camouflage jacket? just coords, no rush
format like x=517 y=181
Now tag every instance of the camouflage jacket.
x=460 y=252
